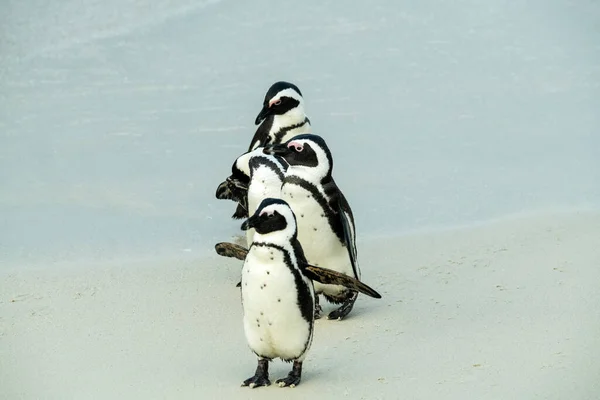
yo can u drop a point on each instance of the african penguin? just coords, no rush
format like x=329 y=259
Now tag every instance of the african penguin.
x=325 y=221
x=282 y=116
x=277 y=297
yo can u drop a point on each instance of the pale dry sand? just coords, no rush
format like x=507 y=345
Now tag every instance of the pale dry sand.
x=508 y=309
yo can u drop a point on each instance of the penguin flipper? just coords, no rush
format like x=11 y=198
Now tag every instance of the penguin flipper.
x=339 y=205
x=232 y=250
x=262 y=133
x=344 y=216
x=241 y=212
x=348 y=240
x=328 y=276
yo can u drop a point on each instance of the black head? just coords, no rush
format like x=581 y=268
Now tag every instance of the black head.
x=280 y=98
x=272 y=215
x=305 y=150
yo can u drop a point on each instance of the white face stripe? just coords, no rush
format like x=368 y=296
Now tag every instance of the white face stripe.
x=286 y=93
x=286 y=211
x=270 y=209
x=266 y=211
x=311 y=174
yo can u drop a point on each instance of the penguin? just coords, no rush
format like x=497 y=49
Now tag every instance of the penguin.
x=277 y=297
x=282 y=117
x=325 y=221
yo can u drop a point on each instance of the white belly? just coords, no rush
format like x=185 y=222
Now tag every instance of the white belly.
x=320 y=244
x=273 y=323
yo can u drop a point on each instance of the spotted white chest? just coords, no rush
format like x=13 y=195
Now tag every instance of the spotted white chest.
x=321 y=245
x=273 y=323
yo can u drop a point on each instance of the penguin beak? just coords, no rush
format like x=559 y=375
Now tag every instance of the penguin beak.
x=250 y=222
x=276 y=150
x=262 y=114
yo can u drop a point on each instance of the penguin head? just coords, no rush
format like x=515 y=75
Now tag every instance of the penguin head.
x=282 y=98
x=307 y=154
x=272 y=216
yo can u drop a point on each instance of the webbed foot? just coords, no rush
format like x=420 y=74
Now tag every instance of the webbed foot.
x=293 y=378
x=318 y=308
x=261 y=376
x=345 y=308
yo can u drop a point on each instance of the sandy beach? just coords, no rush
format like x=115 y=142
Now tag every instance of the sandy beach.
x=501 y=310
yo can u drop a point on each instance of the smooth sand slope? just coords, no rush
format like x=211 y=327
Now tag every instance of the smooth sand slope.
x=503 y=310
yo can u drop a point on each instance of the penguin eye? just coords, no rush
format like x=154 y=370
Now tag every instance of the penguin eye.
x=276 y=103
x=295 y=146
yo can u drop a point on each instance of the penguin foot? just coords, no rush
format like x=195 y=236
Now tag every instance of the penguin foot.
x=261 y=376
x=345 y=308
x=318 y=311
x=293 y=378
x=318 y=308
x=256 y=381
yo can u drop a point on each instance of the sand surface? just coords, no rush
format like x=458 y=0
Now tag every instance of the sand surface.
x=507 y=309
x=119 y=118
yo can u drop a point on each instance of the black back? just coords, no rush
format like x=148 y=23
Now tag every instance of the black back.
x=262 y=133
